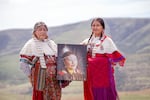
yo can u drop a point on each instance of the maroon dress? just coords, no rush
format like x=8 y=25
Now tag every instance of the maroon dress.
x=52 y=89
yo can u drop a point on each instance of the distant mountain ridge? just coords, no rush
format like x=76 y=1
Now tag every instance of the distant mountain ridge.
x=131 y=35
x=124 y=31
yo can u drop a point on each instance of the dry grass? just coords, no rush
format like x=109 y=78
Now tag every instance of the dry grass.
x=73 y=92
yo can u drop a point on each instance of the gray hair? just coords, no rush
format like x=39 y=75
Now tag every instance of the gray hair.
x=38 y=24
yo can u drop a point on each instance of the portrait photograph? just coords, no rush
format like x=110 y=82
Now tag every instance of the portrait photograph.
x=71 y=62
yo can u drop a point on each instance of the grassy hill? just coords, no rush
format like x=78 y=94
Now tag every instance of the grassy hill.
x=136 y=70
x=73 y=92
x=131 y=36
x=124 y=31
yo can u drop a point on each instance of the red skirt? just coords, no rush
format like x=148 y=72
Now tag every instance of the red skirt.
x=100 y=83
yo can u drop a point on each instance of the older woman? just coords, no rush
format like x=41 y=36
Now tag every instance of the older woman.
x=102 y=56
x=38 y=62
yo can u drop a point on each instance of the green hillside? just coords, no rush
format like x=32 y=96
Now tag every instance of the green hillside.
x=131 y=36
x=10 y=72
x=124 y=31
x=136 y=70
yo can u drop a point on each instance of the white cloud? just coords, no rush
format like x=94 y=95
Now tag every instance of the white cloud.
x=24 y=13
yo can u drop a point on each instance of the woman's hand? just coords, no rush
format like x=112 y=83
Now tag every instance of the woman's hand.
x=30 y=80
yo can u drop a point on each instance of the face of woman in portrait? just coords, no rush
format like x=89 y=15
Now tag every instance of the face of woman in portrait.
x=41 y=32
x=70 y=62
x=97 y=28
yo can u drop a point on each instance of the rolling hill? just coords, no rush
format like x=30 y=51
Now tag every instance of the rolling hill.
x=131 y=36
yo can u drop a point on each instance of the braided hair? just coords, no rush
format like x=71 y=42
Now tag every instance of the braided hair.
x=101 y=21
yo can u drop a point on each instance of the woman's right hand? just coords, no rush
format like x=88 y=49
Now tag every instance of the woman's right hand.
x=30 y=80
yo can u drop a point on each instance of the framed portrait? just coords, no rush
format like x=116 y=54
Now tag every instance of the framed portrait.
x=72 y=62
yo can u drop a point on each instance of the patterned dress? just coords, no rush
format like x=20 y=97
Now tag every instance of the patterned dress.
x=100 y=83
x=31 y=65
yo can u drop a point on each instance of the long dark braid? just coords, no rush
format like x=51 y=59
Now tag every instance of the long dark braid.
x=90 y=37
x=101 y=21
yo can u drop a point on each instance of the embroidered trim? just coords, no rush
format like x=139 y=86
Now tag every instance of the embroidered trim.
x=40 y=53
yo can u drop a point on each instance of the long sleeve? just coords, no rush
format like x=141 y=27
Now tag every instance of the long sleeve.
x=26 y=57
x=25 y=68
x=117 y=57
x=26 y=63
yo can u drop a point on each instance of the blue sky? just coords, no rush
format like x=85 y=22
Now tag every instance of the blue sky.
x=24 y=13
